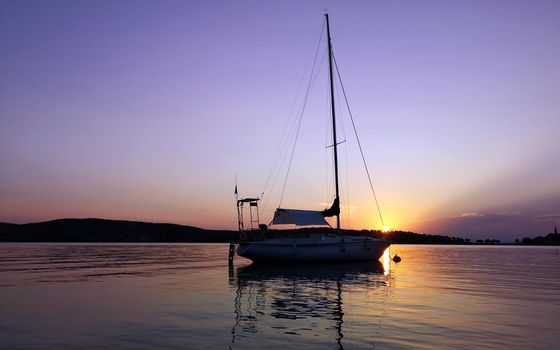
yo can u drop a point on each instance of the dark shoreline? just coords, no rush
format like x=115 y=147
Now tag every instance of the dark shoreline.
x=93 y=230
x=110 y=231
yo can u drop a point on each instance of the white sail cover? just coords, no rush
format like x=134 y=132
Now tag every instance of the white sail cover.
x=298 y=217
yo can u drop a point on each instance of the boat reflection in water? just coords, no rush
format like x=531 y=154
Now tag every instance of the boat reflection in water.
x=304 y=303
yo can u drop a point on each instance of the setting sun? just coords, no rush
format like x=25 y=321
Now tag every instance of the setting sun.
x=385 y=228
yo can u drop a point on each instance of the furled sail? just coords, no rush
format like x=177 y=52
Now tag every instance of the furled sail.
x=333 y=210
x=298 y=217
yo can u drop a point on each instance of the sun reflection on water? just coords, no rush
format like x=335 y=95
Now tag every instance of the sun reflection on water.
x=386 y=261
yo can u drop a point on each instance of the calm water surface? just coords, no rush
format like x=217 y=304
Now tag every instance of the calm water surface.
x=185 y=296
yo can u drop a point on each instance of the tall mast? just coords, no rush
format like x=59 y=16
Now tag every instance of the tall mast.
x=333 y=117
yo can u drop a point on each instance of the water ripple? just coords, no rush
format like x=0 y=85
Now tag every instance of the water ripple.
x=184 y=295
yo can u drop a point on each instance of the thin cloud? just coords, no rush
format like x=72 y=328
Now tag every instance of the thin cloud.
x=548 y=217
x=504 y=225
x=468 y=215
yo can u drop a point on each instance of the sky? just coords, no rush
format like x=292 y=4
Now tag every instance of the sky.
x=150 y=110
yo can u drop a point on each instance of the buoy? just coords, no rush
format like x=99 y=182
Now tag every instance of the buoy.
x=396 y=258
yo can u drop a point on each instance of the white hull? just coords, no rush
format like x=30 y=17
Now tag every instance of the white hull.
x=315 y=248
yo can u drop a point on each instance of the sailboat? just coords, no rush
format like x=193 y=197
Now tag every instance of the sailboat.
x=256 y=244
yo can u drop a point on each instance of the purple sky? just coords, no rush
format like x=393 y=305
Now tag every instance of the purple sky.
x=147 y=110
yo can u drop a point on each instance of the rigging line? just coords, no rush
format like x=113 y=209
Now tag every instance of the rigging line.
x=292 y=135
x=290 y=138
x=285 y=137
x=299 y=123
x=359 y=143
x=318 y=72
x=281 y=159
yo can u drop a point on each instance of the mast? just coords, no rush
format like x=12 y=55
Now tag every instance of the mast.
x=335 y=145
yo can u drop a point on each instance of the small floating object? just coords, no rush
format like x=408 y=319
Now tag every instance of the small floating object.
x=396 y=258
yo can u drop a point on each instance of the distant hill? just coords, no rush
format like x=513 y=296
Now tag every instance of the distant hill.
x=102 y=230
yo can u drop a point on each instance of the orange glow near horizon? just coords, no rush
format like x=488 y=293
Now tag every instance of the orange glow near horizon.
x=371 y=222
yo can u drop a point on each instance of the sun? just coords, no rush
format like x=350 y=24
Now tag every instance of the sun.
x=385 y=228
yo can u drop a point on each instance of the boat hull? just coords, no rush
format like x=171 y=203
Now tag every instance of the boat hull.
x=320 y=248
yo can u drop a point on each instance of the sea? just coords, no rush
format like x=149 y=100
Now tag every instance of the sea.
x=186 y=296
